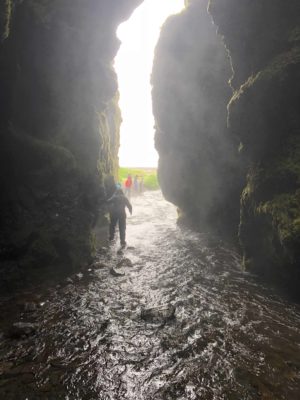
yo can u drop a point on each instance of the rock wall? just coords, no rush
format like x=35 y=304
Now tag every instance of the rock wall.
x=249 y=164
x=198 y=164
x=59 y=127
x=264 y=115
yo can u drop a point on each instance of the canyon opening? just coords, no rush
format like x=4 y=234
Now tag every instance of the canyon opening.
x=133 y=65
x=123 y=291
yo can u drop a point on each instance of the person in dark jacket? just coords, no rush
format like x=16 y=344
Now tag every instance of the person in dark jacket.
x=118 y=203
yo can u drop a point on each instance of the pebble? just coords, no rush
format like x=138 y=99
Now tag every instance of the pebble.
x=115 y=273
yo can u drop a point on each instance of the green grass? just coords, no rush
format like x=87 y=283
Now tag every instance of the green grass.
x=149 y=174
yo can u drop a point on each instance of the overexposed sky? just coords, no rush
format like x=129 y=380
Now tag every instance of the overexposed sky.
x=133 y=65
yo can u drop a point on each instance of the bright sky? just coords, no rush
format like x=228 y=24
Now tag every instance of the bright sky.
x=133 y=65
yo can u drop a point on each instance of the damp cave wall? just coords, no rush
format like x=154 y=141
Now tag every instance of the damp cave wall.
x=228 y=140
x=59 y=126
x=199 y=169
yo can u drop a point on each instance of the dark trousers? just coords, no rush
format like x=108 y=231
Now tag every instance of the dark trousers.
x=114 y=219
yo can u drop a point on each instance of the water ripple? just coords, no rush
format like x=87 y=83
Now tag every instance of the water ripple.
x=183 y=322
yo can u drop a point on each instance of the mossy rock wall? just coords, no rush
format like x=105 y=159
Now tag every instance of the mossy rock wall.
x=59 y=127
x=199 y=170
x=236 y=170
x=263 y=40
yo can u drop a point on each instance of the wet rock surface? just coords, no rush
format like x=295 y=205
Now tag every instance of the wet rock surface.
x=264 y=114
x=59 y=127
x=198 y=169
x=227 y=126
x=184 y=322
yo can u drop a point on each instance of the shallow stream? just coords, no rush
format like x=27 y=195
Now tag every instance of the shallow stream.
x=173 y=317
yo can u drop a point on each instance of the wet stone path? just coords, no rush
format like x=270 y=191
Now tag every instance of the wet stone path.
x=173 y=317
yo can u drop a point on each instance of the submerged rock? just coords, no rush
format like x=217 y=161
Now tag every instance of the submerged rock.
x=104 y=325
x=158 y=314
x=20 y=329
x=125 y=262
x=99 y=265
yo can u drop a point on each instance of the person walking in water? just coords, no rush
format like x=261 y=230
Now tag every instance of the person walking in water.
x=118 y=203
x=128 y=185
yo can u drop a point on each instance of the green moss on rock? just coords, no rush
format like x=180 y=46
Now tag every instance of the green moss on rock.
x=285 y=212
x=262 y=39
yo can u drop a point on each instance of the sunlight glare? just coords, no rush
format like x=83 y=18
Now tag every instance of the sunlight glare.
x=133 y=65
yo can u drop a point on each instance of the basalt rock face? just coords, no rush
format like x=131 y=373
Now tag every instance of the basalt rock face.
x=199 y=170
x=263 y=39
x=59 y=127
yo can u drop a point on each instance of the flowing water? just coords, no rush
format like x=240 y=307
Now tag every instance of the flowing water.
x=174 y=317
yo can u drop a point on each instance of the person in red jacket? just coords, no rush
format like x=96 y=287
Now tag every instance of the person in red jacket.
x=128 y=185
